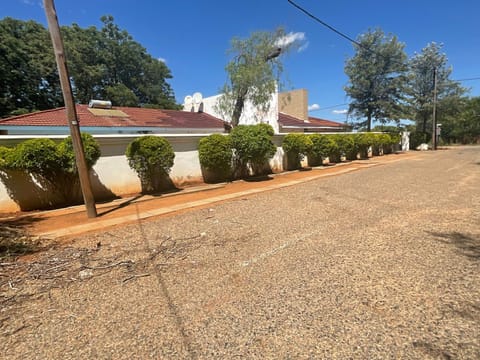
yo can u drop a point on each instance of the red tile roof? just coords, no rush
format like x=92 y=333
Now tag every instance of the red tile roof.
x=136 y=117
x=323 y=122
x=287 y=120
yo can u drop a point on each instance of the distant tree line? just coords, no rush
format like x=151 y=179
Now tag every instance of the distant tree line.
x=103 y=63
x=386 y=86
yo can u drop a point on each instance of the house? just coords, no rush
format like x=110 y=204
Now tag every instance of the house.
x=113 y=120
x=251 y=114
x=289 y=124
x=288 y=112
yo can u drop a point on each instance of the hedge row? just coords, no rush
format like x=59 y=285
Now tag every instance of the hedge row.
x=245 y=151
x=318 y=147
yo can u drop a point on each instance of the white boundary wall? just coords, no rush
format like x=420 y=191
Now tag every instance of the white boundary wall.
x=111 y=175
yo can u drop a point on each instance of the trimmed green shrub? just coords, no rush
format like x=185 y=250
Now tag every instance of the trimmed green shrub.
x=393 y=143
x=253 y=147
x=346 y=146
x=363 y=141
x=215 y=155
x=296 y=146
x=267 y=128
x=381 y=143
x=52 y=164
x=91 y=150
x=377 y=144
x=322 y=147
x=151 y=157
x=39 y=157
x=6 y=158
x=335 y=154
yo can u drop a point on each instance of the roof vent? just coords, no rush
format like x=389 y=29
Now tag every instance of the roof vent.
x=100 y=104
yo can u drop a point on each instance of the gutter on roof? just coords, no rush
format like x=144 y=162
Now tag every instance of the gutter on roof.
x=63 y=129
x=309 y=127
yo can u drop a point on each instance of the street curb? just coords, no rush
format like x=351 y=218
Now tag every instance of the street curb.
x=83 y=228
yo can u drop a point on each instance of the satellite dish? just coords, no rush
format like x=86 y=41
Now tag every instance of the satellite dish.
x=197 y=98
x=188 y=100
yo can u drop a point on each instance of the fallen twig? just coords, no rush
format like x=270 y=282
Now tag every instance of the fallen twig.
x=15 y=331
x=8 y=264
x=101 y=267
x=134 y=277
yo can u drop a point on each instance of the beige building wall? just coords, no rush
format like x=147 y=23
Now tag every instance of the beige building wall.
x=294 y=103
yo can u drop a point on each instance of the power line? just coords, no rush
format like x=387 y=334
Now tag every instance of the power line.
x=360 y=45
x=468 y=79
x=325 y=24
x=306 y=12
x=329 y=107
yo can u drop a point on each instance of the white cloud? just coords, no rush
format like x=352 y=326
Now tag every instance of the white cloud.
x=303 y=47
x=313 y=107
x=290 y=38
x=343 y=111
x=162 y=60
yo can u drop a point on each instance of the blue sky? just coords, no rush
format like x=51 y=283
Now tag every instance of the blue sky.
x=192 y=36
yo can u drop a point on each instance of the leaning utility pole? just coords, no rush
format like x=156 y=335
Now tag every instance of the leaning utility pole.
x=434 y=113
x=58 y=48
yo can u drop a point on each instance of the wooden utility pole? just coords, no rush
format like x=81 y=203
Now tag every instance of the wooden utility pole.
x=434 y=113
x=72 y=120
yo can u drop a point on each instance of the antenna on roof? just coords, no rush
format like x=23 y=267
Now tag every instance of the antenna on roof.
x=188 y=100
x=193 y=103
x=197 y=98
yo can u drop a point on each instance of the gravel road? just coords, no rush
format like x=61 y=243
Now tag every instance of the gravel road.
x=375 y=264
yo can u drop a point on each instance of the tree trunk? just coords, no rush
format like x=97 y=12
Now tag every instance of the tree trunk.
x=424 y=128
x=238 y=109
x=369 y=121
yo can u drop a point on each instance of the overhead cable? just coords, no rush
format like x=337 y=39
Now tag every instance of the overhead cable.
x=324 y=23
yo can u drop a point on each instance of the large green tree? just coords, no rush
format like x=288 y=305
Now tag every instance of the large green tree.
x=104 y=63
x=109 y=64
x=462 y=124
x=376 y=79
x=253 y=72
x=420 y=88
x=85 y=57
x=28 y=75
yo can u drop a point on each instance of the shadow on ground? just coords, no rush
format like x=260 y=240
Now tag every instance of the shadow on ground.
x=119 y=206
x=15 y=239
x=466 y=245
x=258 y=178
x=432 y=350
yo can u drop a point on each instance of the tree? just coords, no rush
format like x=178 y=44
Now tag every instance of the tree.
x=84 y=51
x=376 y=79
x=120 y=94
x=421 y=86
x=104 y=63
x=127 y=72
x=28 y=75
x=463 y=126
x=253 y=72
